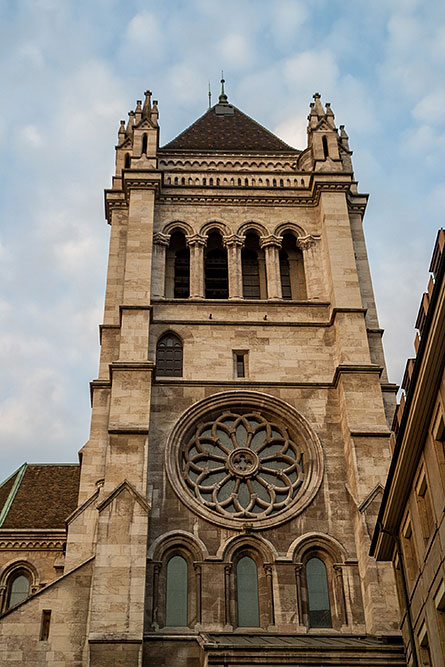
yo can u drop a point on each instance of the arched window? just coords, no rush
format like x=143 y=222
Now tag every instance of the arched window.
x=248 y=608
x=319 y=606
x=177 y=270
x=169 y=356
x=253 y=265
x=293 y=282
x=176 y=600
x=17 y=588
x=216 y=274
x=127 y=161
x=285 y=275
x=144 y=144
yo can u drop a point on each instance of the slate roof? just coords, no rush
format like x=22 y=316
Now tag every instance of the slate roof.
x=39 y=496
x=226 y=128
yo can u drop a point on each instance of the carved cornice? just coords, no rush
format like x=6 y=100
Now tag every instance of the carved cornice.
x=280 y=198
x=32 y=543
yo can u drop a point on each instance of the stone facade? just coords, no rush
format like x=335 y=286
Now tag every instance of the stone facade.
x=238 y=266
x=411 y=526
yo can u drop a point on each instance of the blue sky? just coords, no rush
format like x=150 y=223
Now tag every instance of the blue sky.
x=70 y=70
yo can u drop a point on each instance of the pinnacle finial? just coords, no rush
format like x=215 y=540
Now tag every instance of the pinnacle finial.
x=223 y=99
x=318 y=105
x=147 y=104
x=130 y=124
x=210 y=97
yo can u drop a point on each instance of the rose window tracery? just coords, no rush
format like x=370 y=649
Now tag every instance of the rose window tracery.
x=244 y=456
x=243 y=465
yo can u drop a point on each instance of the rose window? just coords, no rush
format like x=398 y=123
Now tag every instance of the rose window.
x=243 y=465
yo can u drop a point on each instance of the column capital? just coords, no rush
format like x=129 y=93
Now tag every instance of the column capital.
x=161 y=239
x=305 y=242
x=234 y=240
x=271 y=240
x=196 y=240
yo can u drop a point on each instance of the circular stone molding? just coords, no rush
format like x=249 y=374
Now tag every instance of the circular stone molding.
x=244 y=457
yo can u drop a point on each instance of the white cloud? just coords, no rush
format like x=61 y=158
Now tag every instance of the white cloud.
x=143 y=36
x=288 y=17
x=30 y=137
x=235 y=51
x=312 y=69
x=293 y=131
x=431 y=107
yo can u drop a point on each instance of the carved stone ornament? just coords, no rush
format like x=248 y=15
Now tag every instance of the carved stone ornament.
x=243 y=455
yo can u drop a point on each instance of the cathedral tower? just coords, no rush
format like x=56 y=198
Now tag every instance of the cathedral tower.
x=239 y=436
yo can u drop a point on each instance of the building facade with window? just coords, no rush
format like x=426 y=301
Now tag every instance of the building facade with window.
x=239 y=436
x=411 y=527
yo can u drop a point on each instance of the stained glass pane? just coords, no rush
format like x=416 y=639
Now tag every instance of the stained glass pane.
x=176 y=597
x=247 y=593
x=318 y=594
x=19 y=590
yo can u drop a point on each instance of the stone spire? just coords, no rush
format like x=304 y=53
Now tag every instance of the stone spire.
x=121 y=132
x=138 y=111
x=130 y=124
x=146 y=111
x=318 y=106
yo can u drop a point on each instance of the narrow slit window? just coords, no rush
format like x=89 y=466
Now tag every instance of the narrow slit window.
x=176 y=608
x=45 y=624
x=240 y=364
x=144 y=144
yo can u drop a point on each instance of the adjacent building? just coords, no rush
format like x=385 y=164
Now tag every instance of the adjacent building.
x=411 y=527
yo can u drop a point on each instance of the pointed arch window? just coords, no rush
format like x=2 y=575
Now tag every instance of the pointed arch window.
x=18 y=588
x=248 y=608
x=216 y=272
x=169 y=356
x=176 y=605
x=144 y=144
x=318 y=594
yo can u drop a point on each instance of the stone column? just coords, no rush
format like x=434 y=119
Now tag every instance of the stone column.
x=160 y=245
x=196 y=243
x=269 y=579
x=234 y=243
x=312 y=267
x=272 y=245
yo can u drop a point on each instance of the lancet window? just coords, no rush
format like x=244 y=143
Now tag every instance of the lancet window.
x=176 y=599
x=319 y=606
x=18 y=587
x=248 y=609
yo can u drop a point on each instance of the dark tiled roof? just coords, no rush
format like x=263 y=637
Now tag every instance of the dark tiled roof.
x=45 y=497
x=226 y=128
